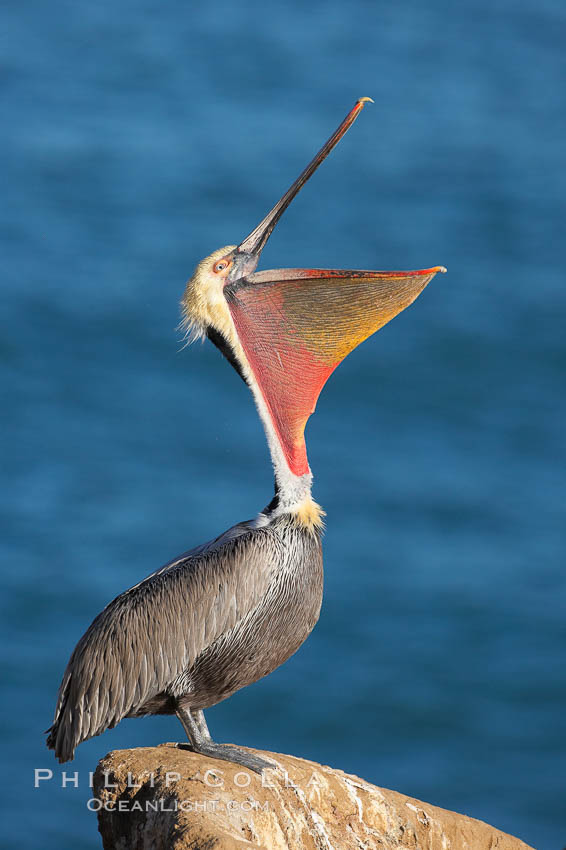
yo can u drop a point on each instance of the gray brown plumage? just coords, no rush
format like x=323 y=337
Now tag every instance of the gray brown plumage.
x=192 y=633
x=227 y=613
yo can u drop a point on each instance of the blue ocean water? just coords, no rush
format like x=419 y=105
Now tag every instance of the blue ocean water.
x=136 y=139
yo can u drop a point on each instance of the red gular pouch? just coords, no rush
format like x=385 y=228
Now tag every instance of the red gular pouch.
x=297 y=325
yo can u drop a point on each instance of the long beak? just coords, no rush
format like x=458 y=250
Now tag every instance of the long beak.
x=255 y=242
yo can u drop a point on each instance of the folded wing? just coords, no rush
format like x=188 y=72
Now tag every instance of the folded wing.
x=149 y=635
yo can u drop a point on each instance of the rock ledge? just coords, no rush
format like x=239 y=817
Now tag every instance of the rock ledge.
x=165 y=798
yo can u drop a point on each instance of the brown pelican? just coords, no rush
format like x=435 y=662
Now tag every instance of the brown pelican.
x=226 y=613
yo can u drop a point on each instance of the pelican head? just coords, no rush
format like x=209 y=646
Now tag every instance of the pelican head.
x=286 y=330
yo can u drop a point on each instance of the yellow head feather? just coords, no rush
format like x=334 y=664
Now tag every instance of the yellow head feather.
x=203 y=302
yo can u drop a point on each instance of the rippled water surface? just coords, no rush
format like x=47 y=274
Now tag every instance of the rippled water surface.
x=137 y=138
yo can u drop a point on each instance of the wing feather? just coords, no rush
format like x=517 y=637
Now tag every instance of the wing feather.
x=146 y=637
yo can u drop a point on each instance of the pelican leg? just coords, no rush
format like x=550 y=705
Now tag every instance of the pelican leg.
x=200 y=720
x=195 y=726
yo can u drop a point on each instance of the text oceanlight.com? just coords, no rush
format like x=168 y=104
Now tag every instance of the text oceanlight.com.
x=172 y=805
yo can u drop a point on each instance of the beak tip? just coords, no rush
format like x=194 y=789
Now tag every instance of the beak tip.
x=442 y=269
x=363 y=100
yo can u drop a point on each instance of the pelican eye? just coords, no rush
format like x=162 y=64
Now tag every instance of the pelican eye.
x=221 y=265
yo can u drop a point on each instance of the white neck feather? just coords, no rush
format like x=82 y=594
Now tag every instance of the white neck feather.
x=293 y=490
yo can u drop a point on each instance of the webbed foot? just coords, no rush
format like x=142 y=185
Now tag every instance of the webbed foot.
x=228 y=752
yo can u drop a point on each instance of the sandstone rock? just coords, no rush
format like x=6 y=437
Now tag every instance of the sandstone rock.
x=171 y=799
